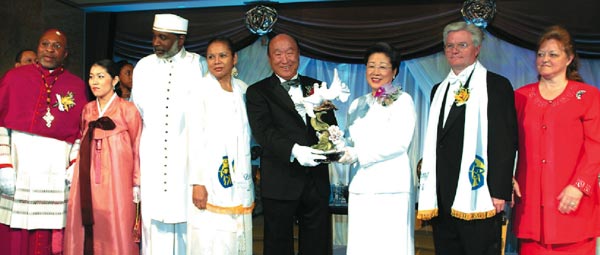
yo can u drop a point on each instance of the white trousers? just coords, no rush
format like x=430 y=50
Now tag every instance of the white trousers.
x=223 y=234
x=381 y=224
x=163 y=238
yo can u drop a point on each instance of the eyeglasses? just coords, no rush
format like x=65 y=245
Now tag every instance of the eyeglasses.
x=55 y=45
x=458 y=46
x=379 y=68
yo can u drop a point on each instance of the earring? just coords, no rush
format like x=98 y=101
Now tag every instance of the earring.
x=234 y=72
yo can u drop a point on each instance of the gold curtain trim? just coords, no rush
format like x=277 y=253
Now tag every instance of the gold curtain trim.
x=427 y=214
x=230 y=210
x=474 y=215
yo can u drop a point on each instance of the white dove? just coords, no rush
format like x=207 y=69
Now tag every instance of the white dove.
x=337 y=90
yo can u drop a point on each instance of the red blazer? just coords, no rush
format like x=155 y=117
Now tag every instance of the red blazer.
x=559 y=144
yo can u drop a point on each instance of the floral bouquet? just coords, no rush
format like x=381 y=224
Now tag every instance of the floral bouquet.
x=387 y=94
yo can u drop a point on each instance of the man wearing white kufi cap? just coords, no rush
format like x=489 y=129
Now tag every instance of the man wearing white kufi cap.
x=170 y=23
x=162 y=84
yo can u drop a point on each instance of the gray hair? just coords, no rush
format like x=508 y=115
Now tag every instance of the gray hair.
x=476 y=33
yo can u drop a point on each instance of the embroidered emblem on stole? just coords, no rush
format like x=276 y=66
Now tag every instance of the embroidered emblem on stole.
x=225 y=173
x=476 y=171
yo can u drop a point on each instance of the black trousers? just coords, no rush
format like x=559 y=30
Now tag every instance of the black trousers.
x=452 y=236
x=311 y=211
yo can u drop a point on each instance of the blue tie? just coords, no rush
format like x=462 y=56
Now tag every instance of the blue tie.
x=291 y=83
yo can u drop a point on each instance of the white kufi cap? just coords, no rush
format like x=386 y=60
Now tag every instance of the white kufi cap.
x=170 y=23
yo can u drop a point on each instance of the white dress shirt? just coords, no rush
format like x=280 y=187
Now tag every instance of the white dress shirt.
x=296 y=95
x=455 y=81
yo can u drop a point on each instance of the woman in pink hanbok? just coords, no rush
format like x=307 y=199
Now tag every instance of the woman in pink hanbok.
x=105 y=186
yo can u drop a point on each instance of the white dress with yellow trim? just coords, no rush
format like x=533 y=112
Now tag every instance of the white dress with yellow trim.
x=220 y=160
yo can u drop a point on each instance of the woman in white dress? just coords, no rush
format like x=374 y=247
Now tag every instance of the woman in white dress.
x=220 y=172
x=380 y=126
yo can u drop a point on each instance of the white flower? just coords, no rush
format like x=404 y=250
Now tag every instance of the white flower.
x=336 y=136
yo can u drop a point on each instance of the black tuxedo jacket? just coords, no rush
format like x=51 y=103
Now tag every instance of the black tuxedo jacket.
x=276 y=126
x=502 y=143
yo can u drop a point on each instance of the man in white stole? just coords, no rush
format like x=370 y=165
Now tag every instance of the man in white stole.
x=469 y=150
x=220 y=162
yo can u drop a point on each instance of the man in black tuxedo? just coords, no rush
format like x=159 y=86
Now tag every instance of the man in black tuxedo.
x=294 y=185
x=474 y=229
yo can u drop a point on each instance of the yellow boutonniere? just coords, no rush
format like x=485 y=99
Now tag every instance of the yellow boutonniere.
x=461 y=95
x=66 y=102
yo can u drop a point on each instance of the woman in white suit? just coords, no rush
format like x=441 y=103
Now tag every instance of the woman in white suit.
x=381 y=125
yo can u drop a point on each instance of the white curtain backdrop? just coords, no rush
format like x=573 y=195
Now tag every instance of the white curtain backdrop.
x=416 y=77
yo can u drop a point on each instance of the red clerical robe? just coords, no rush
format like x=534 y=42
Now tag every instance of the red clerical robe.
x=114 y=171
x=559 y=144
x=23 y=102
x=35 y=216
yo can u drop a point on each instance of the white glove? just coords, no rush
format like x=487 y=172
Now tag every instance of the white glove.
x=349 y=156
x=306 y=156
x=8 y=177
x=137 y=197
x=69 y=175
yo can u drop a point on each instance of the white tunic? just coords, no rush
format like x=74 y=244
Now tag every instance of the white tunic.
x=220 y=143
x=219 y=128
x=381 y=205
x=161 y=92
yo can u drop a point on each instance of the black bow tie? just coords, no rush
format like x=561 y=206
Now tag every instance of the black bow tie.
x=291 y=83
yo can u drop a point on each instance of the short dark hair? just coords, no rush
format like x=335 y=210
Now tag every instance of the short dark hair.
x=119 y=66
x=122 y=63
x=110 y=66
x=386 y=49
x=20 y=54
x=224 y=40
